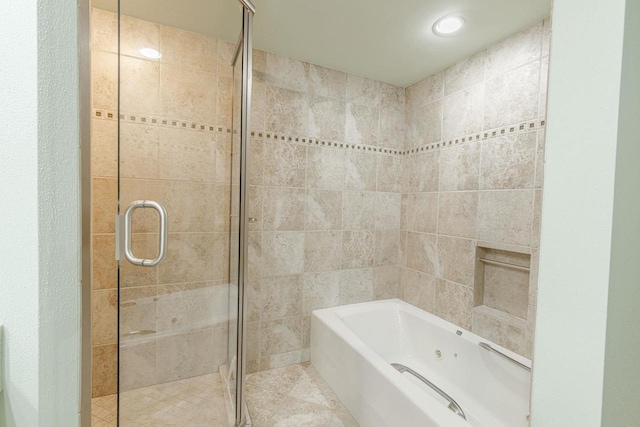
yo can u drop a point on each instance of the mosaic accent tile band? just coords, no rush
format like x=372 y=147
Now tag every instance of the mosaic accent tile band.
x=160 y=121
x=513 y=129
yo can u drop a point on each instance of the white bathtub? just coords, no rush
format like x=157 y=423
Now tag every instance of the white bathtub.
x=353 y=347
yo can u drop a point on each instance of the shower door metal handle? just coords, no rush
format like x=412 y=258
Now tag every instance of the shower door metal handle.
x=128 y=214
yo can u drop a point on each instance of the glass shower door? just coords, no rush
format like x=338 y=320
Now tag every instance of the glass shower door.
x=179 y=219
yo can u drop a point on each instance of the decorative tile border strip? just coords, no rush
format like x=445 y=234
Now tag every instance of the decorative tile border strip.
x=160 y=121
x=207 y=127
x=323 y=143
x=514 y=129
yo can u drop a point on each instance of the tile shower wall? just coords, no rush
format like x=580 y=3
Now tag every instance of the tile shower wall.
x=178 y=307
x=472 y=175
x=355 y=193
x=325 y=193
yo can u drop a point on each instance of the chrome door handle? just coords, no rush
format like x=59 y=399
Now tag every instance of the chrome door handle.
x=162 y=251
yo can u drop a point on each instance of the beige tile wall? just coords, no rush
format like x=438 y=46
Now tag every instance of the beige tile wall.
x=465 y=186
x=345 y=211
x=326 y=199
x=179 y=308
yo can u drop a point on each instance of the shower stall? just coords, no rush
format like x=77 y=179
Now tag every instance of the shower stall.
x=170 y=126
x=245 y=192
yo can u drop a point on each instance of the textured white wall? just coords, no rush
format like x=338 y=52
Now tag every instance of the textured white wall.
x=39 y=242
x=577 y=213
x=59 y=212
x=19 y=214
x=622 y=370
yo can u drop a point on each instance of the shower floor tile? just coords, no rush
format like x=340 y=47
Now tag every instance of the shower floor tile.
x=103 y=411
x=197 y=401
x=294 y=396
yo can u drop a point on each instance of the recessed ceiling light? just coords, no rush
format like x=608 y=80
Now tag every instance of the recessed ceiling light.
x=448 y=25
x=148 y=52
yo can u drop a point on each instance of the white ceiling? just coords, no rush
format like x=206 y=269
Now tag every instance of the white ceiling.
x=388 y=40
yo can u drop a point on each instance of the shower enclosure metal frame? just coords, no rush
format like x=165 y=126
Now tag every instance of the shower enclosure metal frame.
x=243 y=51
x=84 y=60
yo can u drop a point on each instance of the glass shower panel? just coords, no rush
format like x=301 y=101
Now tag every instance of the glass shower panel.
x=177 y=323
x=234 y=255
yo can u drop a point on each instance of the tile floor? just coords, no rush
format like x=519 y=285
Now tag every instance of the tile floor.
x=293 y=396
x=195 y=402
x=103 y=411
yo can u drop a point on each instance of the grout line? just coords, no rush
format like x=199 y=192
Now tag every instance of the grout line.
x=477 y=191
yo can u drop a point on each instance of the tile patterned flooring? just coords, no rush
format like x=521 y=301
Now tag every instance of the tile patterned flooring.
x=293 y=396
x=195 y=402
x=103 y=411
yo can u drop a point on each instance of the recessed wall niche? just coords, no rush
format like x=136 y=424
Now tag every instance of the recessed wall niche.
x=502 y=283
x=502 y=298
x=502 y=280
